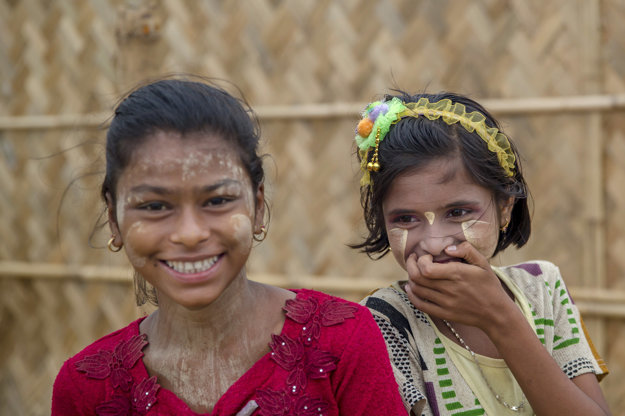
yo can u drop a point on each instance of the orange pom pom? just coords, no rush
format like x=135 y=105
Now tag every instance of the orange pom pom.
x=364 y=127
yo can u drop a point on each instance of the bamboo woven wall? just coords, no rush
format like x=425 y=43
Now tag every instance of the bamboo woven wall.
x=307 y=67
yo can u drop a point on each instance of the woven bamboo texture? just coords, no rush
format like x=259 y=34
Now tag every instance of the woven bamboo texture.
x=307 y=66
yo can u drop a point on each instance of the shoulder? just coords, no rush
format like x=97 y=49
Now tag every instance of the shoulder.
x=330 y=320
x=540 y=281
x=78 y=382
x=97 y=360
x=330 y=307
x=108 y=342
x=532 y=270
x=394 y=313
x=391 y=303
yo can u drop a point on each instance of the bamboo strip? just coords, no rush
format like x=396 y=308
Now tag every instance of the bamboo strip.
x=538 y=105
x=52 y=271
x=593 y=253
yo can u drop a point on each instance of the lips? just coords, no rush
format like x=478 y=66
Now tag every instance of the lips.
x=192 y=267
x=449 y=260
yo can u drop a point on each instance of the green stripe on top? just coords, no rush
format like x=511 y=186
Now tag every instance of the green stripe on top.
x=544 y=322
x=453 y=406
x=449 y=394
x=445 y=383
x=473 y=412
x=566 y=343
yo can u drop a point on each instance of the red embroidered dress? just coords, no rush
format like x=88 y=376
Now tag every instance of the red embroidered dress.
x=329 y=359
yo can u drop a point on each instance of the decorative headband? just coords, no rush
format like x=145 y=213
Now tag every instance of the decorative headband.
x=379 y=116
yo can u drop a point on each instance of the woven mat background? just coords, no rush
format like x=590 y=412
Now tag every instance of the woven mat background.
x=307 y=68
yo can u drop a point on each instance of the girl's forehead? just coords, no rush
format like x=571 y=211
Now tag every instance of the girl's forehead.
x=439 y=182
x=170 y=149
x=438 y=173
x=175 y=160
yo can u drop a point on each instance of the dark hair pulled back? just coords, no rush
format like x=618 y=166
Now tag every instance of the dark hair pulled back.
x=182 y=106
x=413 y=142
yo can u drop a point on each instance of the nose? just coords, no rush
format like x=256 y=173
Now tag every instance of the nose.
x=434 y=243
x=190 y=230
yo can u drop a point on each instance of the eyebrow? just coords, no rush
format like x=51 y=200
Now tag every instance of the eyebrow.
x=159 y=190
x=402 y=211
x=459 y=203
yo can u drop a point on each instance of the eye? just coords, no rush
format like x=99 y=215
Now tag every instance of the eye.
x=153 y=206
x=458 y=212
x=218 y=200
x=404 y=219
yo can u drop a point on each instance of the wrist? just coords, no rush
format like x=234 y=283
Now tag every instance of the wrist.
x=505 y=323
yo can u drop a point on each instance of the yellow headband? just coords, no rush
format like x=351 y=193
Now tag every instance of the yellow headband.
x=379 y=116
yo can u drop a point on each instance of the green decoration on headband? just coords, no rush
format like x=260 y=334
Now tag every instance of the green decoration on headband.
x=379 y=116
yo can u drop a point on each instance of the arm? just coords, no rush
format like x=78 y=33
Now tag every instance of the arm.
x=544 y=383
x=65 y=394
x=471 y=294
x=365 y=384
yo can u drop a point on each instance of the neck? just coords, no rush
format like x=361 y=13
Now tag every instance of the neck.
x=215 y=324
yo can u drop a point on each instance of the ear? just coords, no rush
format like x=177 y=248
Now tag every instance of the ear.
x=112 y=220
x=505 y=209
x=259 y=215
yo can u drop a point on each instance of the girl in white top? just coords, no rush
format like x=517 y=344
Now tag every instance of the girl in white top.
x=443 y=190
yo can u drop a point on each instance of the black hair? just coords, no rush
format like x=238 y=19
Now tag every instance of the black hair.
x=413 y=142
x=182 y=106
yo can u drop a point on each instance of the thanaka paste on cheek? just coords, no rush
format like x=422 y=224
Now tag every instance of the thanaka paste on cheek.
x=481 y=235
x=135 y=259
x=123 y=202
x=242 y=231
x=398 y=238
x=430 y=217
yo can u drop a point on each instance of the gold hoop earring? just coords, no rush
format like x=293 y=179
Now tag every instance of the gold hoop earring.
x=504 y=228
x=262 y=234
x=112 y=247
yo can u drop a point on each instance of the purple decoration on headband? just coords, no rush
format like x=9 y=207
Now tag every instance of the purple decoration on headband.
x=377 y=110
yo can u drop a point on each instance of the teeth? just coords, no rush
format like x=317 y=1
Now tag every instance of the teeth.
x=190 y=267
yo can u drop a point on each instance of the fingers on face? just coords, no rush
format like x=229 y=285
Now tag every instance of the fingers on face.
x=470 y=254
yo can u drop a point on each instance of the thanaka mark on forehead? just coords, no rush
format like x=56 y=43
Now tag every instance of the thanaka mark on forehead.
x=146 y=188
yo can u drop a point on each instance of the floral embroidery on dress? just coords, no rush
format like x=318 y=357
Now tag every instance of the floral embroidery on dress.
x=301 y=362
x=301 y=359
x=308 y=313
x=279 y=403
x=115 y=364
x=143 y=398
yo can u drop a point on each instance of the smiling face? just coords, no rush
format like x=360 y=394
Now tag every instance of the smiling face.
x=186 y=214
x=437 y=206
